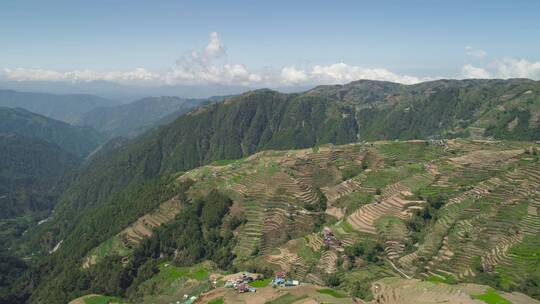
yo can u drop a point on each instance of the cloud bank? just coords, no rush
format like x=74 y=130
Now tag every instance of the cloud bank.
x=504 y=68
x=209 y=65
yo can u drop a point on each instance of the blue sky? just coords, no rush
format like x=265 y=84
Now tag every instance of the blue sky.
x=258 y=40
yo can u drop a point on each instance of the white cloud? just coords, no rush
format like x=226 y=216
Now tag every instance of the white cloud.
x=208 y=66
x=341 y=73
x=504 y=68
x=469 y=71
x=517 y=68
x=215 y=48
x=28 y=74
x=478 y=53
x=291 y=75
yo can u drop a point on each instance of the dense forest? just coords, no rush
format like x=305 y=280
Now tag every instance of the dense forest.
x=30 y=175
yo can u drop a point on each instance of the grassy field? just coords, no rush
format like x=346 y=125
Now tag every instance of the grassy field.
x=381 y=178
x=492 y=297
x=287 y=299
x=354 y=200
x=409 y=152
x=102 y=300
x=332 y=292
x=216 y=301
x=260 y=283
x=172 y=272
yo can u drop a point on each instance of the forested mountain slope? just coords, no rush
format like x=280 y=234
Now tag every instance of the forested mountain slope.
x=266 y=119
x=30 y=172
x=66 y=108
x=79 y=141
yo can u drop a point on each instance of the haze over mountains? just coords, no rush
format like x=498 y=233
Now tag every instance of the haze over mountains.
x=61 y=107
x=109 y=117
x=126 y=93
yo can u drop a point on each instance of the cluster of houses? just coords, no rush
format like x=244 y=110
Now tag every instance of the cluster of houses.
x=241 y=284
x=329 y=238
x=280 y=280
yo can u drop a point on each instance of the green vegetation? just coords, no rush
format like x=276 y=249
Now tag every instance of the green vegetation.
x=332 y=292
x=287 y=299
x=171 y=272
x=369 y=249
x=492 y=297
x=223 y=162
x=447 y=279
x=354 y=200
x=102 y=300
x=351 y=171
x=31 y=175
x=260 y=283
x=403 y=152
x=216 y=301
x=379 y=179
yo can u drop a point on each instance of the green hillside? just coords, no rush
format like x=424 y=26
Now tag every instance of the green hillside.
x=264 y=119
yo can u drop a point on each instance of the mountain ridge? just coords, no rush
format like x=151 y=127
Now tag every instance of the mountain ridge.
x=66 y=107
x=79 y=141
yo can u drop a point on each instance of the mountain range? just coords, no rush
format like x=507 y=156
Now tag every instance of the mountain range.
x=256 y=176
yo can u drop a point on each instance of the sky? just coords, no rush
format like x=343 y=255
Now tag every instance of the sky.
x=267 y=43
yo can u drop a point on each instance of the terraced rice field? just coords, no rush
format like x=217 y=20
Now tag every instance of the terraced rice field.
x=450 y=211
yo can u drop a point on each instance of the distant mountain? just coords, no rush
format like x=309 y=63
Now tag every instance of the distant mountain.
x=502 y=109
x=79 y=141
x=133 y=118
x=128 y=93
x=67 y=108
